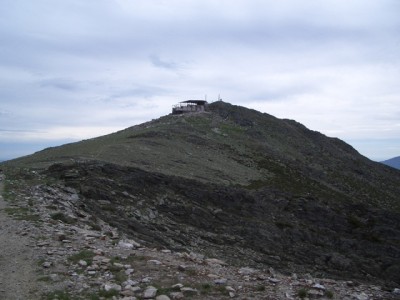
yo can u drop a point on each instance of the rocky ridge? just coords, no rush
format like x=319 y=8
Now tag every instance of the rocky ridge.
x=230 y=183
x=80 y=256
x=267 y=227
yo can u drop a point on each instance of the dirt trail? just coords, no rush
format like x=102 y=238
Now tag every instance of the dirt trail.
x=18 y=277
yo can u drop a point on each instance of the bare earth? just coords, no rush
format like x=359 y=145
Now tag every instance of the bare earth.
x=17 y=263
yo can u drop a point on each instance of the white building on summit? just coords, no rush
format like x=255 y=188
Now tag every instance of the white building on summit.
x=189 y=106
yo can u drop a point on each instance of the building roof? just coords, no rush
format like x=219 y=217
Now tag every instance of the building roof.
x=198 y=102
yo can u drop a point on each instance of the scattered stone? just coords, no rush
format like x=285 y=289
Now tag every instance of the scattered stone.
x=118 y=266
x=262 y=277
x=105 y=261
x=146 y=280
x=273 y=280
x=313 y=294
x=247 y=271
x=221 y=281
x=177 y=295
x=125 y=245
x=82 y=263
x=361 y=296
x=54 y=277
x=177 y=286
x=318 y=287
x=134 y=243
x=128 y=293
x=130 y=282
x=309 y=281
x=100 y=274
x=350 y=283
x=155 y=262
x=129 y=271
x=150 y=292
x=136 y=289
x=163 y=297
x=189 y=291
x=42 y=244
x=215 y=261
x=230 y=289
x=182 y=268
x=93 y=267
x=112 y=286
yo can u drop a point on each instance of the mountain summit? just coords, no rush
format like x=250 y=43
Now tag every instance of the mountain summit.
x=241 y=184
x=393 y=162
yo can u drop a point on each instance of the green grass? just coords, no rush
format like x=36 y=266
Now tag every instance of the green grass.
x=164 y=290
x=119 y=275
x=59 y=216
x=109 y=207
x=211 y=289
x=95 y=226
x=12 y=211
x=260 y=288
x=59 y=295
x=302 y=293
x=9 y=188
x=85 y=255
x=329 y=294
x=22 y=213
x=231 y=129
x=205 y=288
x=107 y=294
x=130 y=259
x=44 y=278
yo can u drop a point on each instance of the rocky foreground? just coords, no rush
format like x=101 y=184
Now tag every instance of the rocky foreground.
x=78 y=256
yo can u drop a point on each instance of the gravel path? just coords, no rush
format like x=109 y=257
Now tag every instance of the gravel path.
x=18 y=276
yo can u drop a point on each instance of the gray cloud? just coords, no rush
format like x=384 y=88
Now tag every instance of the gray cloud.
x=18 y=130
x=62 y=84
x=140 y=91
x=158 y=62
x=332 y=65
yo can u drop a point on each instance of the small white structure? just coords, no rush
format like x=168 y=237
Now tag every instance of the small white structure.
x=189 y=106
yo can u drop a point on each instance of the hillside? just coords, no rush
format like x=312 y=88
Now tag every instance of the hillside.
x=232 y=145
x=393 y=162
x=239 y=184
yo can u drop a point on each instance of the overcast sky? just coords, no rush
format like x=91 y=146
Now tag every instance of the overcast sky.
x=74 y=69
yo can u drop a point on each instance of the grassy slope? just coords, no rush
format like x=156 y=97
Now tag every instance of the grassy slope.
x=237 y=146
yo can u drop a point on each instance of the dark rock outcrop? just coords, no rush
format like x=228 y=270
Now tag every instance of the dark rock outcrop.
x=259 y=227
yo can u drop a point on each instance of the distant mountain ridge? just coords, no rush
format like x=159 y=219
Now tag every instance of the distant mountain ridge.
x=393 y=162
x=242 y=184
